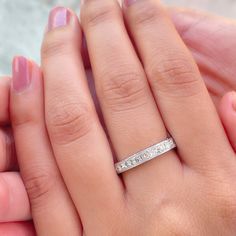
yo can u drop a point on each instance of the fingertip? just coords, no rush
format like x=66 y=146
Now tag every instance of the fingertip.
x=63 y=34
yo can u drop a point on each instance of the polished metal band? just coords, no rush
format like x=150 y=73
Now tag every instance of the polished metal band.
x=145 y=155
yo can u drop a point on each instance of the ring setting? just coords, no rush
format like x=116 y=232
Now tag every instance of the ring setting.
x=145 y=155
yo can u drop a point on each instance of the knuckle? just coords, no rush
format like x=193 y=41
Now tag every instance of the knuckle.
x=147 y=12
x=38 y=185
x=95 y=12
x=69 y=121
x=22 y=116
x=175 y=76
x=56 y=44
x=122 y=91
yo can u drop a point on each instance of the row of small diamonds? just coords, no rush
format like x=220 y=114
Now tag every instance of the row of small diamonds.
x=145 y=155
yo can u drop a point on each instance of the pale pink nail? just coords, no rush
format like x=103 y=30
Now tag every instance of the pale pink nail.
x=21 y=74
x=129 y=2
x=59 y=17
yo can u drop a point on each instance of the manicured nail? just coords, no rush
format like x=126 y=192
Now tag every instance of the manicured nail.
x=58 y=17
x=21 y=74
x=127 y=3
x=233 y=96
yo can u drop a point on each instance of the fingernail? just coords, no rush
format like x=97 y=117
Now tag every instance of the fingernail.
x=233 y=96
x=129 y=2
x=58 y=17
x=21 y=74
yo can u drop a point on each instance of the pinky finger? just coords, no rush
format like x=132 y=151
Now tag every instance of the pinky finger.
x=227 y=111
x=17 y=229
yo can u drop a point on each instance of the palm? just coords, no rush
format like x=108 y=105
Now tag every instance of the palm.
x=212 y=41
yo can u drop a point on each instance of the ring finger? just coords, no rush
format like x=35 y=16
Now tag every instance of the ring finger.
x=128 y=107
x=180 y=92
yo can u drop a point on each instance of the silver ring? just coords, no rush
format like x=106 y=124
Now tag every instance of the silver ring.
x=145 y=155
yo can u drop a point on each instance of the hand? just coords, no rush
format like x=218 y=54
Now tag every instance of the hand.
x=188 y=192
x=190 y=25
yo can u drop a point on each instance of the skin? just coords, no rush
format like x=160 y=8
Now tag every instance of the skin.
x=190 y=25
x=190 y=191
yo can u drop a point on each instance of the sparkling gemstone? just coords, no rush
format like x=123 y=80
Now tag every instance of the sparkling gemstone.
x=145 y=155
x=133 y=162
x=123 y=165
x=167 y=145
x=128 y=163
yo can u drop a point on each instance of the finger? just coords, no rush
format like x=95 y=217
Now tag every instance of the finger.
x=17 y=229
x=79 y=143
x=8 y=161
x=123 y=92
x=180 y=93
x=4 y=100
x=50 y=201
x=13 y=198
x=227 y=111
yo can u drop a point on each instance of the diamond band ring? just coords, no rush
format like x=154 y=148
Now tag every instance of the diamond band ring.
x=145 y=155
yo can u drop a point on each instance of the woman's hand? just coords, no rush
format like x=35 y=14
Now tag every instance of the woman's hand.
x=188 y=192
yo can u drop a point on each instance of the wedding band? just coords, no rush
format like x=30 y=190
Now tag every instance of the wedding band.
x=145 y=155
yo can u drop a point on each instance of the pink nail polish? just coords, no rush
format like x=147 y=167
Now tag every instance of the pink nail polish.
x=129 y=2
x=58 y=17
x=21 y=74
